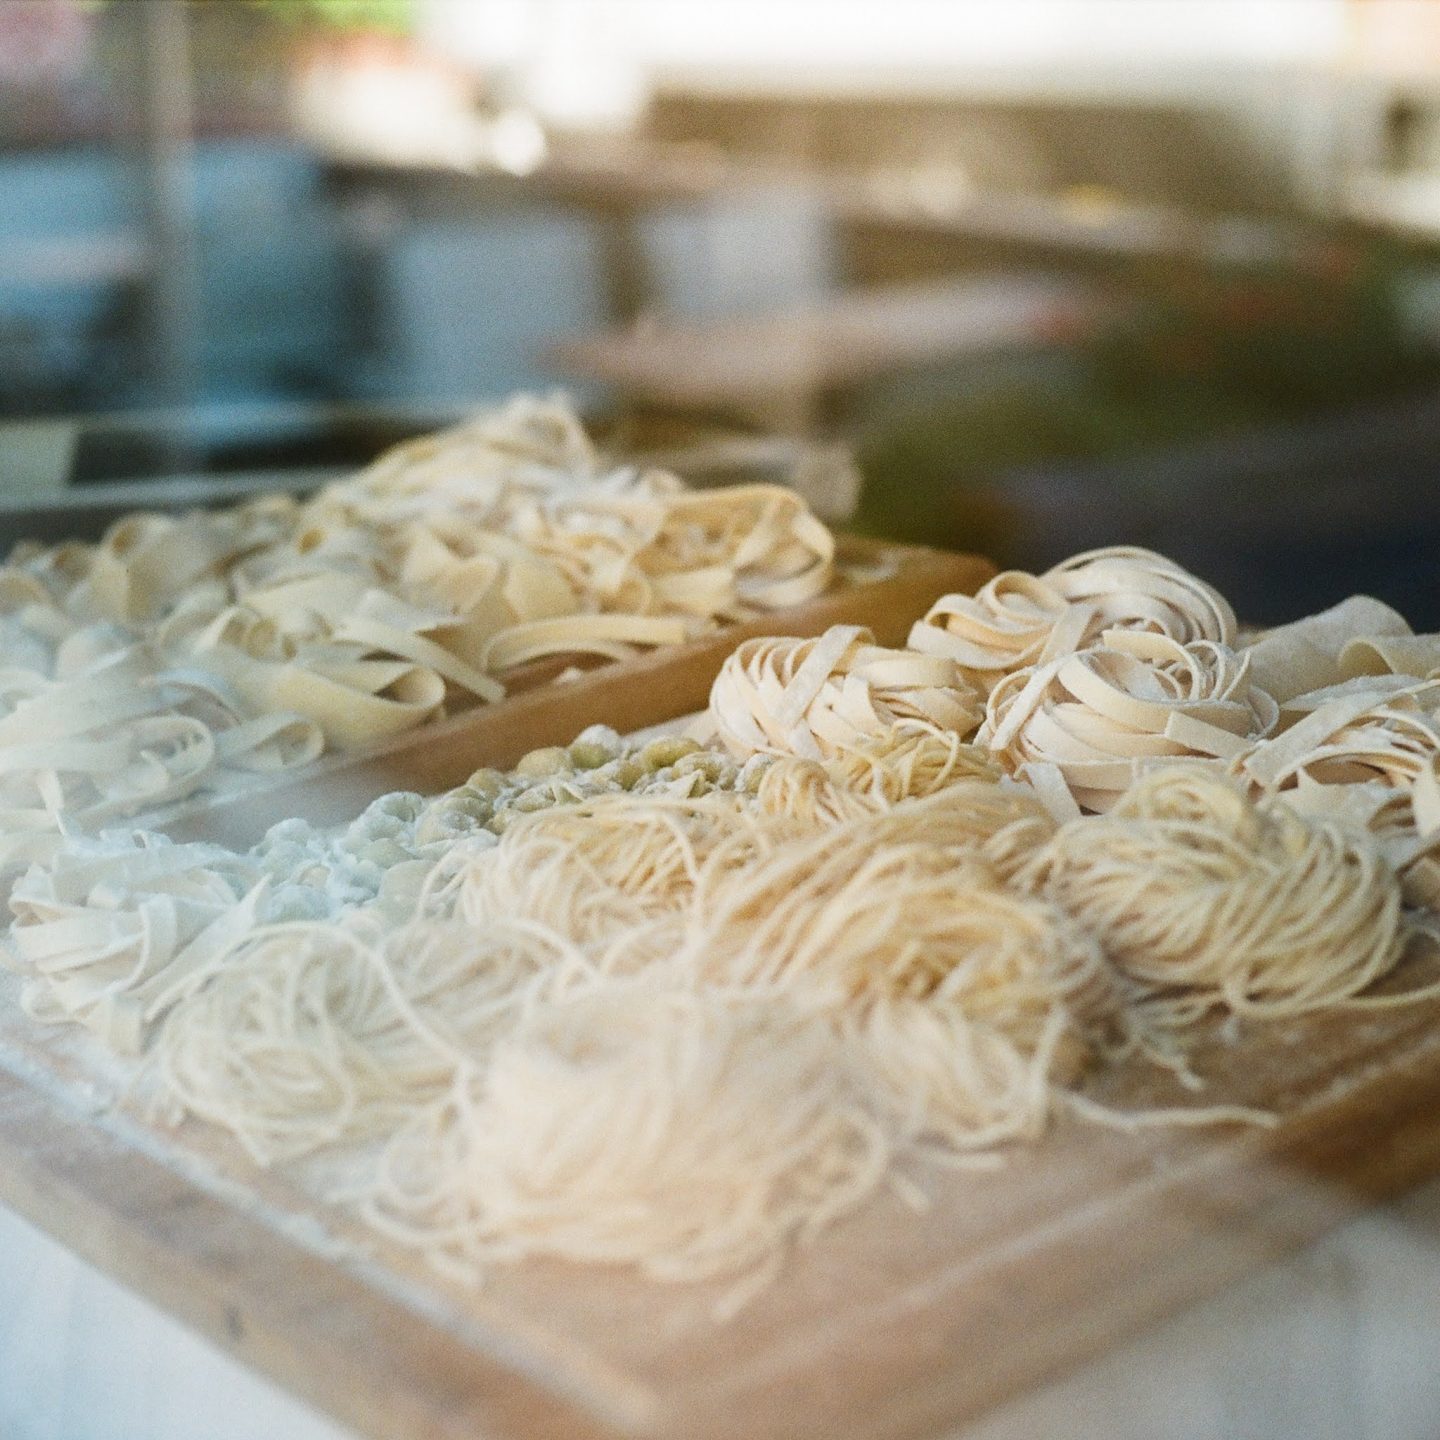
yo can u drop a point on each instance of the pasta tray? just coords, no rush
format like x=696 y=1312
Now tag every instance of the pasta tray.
x=883 y=586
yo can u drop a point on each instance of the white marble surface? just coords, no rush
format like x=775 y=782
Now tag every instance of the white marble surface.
x=1340 y=1343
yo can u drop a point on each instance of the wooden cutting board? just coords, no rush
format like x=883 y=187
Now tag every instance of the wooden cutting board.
x=894 y=586
x=892 y=1324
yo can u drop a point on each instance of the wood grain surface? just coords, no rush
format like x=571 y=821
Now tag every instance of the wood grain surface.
x=892 y=1324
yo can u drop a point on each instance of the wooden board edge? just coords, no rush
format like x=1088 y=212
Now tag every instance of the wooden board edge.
x=1212 y=1214
x=1189 y=1235
x=273 y=1304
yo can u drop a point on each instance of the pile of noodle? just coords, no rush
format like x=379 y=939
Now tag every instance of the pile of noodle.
x=683 y=1012
x=182 y=651
x=1018 y=620
x=1101 y=717
x=1202 y=897
x=659 y=1029
x=823 y=696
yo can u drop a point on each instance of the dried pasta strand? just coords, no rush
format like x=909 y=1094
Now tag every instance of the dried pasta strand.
x=1206 y=898
x=625 y=1126
x=603 y=1038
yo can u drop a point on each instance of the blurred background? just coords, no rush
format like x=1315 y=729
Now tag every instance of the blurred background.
x=1054 y=272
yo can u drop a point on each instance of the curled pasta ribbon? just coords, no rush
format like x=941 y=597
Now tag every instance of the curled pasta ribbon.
x=1358 y=636
x=1093 y=721
x=657 y=561
x=1205 y=898
x=147 y=564
x=1017 y=619
x=612 y=636
x=480 y=470
x=1004 y=626
x=453 y=559
x=1377 y=655
x=775 y=551
x=1371 y=759
x=1131 y=588
x=104 y=742
x=819 y=697
x=113 y=933
x=94 y=725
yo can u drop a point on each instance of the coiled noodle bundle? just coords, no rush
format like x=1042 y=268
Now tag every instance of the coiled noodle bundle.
x=1104 y=715
x=1205 y=898
x=1018 y=620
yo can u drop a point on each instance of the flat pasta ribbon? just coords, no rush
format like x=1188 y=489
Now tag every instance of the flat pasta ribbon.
x=1096 y=719
x=1352 y=638
x=1016 y=619
x=370 y=608
x=819 y=697
x=1369 y=758
x=113 y=933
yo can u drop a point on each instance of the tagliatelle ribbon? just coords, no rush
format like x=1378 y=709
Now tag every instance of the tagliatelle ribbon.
x=1102 y=715
x=817 y=697
x=287 y=627
x=114 y=936
x=609 y=635
x=1308 y=654
x=1369 y=756
x=1017 y=619
x=353 y=701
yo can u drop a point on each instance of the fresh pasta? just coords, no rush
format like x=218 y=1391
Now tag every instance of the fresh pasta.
x=824 y=696
x=667 y=1130
x=181 y=652
x=1018 y=620
x=678 y=1004
x=112 y=935
x=1205 y=898
x=1100 y=717
x=652 y=1028
x=1368 y=758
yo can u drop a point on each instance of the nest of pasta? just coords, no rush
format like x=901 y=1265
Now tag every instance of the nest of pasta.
x=678 y=1004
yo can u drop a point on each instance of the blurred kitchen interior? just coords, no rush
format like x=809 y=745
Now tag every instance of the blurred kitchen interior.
x=1056 y=272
